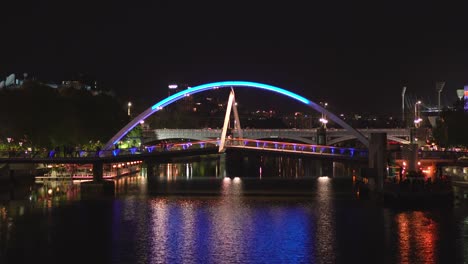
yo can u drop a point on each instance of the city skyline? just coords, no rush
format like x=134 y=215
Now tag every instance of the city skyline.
x=355 y=57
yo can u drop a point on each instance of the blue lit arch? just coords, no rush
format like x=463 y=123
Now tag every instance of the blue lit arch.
x=225 y=84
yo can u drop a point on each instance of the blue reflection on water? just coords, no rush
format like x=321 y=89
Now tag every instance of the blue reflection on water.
x=323 y=226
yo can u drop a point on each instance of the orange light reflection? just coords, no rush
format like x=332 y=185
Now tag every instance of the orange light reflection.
x=418 y=235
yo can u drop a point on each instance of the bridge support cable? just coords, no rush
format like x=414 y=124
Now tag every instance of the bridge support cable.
x=222 y=141
x=237 y=124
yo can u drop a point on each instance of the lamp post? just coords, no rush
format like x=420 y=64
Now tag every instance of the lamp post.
x=323 y=119
x=439 y=87
x=417 y=117
x=322 y=130
x=129 y=106
x=403 y=106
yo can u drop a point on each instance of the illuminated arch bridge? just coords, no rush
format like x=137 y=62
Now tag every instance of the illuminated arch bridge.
x=228 y=84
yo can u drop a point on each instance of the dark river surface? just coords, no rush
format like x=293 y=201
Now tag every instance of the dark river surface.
x=214 y=210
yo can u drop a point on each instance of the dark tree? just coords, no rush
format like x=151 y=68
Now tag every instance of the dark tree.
x=50 y=117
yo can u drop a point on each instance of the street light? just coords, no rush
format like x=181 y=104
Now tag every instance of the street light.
x=403 y=105
x=129 y=105
x=324 y=120
x=417 y=117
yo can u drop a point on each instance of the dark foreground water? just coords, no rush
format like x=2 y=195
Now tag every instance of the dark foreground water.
x=156 y=219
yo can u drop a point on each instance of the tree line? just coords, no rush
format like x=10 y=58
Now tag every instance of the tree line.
x=36 y=115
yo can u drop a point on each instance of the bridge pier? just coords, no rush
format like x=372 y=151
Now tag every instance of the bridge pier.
x=98 y=186
x=151 y=177
x=97 y=171
x=460 y=194
x=377 y=161
x=149 y=169
x=321 y=136
x=411 y=154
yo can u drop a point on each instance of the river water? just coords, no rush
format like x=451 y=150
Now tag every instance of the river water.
x=214 y=210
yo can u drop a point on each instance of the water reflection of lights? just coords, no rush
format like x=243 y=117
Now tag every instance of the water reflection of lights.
x=228 y=229
x=465 y=241
x=135 y=183
x=188 y=170
x=160 y=230
x=325 y=221
x=231 y=186
x=188 y=228
x=417 y=235
x=171 y=171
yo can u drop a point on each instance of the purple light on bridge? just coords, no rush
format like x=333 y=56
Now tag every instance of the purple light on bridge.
x=115 y=152
x=150 y=149
x=133 y=150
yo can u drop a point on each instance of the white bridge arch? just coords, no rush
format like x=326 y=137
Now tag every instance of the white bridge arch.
x=228 y=84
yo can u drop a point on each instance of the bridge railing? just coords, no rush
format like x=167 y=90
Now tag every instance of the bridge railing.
x=52 y=154
x=181 y=146
x=106 y=153
x=442 y=154
x=297 y=147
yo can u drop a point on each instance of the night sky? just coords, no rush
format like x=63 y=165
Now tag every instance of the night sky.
x=357 y=57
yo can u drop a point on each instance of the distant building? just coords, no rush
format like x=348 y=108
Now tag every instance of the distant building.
x=466 y=97
x=79 y=83
x=11 y=82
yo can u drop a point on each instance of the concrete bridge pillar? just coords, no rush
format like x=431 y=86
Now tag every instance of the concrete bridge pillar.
x=97 y=171
x=149 y=169
x=97 y=187
x=412 y=155
x=377 y=160
x=321 y=136
x=460 y=194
